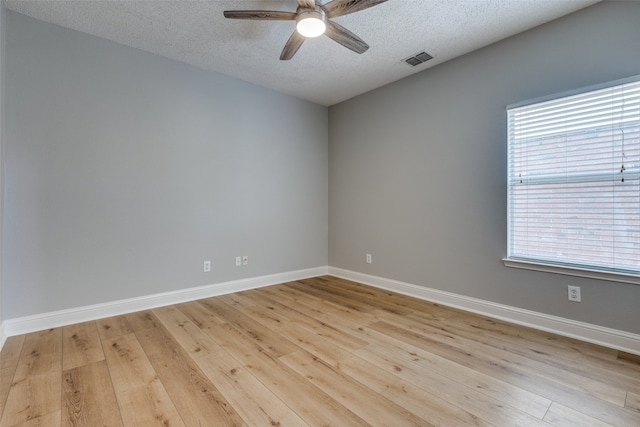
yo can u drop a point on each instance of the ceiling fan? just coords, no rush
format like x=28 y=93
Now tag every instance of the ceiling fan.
x=312 y=20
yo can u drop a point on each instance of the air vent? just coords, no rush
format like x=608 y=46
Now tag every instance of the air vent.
x=418 y=59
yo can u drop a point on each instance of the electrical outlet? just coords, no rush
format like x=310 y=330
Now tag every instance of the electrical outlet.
x=245 y=260
x=207 y=266
x=369 y=259
x=238 y=261
x=574 y=293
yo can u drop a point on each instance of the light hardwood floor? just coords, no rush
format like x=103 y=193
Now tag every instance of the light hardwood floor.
x=315 y=352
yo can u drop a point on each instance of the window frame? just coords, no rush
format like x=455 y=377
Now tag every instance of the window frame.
x=550 y=266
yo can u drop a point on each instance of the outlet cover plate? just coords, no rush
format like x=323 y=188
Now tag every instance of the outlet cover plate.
x=574 y=293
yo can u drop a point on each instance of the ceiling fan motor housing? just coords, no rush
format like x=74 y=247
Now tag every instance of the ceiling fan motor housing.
x=311 y=22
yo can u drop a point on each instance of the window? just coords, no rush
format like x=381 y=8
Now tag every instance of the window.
x=574 y=183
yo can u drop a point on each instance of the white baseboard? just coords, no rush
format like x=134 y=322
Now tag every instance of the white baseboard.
x=24 y=325
x=612 y=338
x=3 y=335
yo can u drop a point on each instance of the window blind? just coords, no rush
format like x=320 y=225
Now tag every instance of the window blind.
x=574 y=179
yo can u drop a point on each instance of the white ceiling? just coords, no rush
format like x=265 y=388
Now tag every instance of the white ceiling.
x=322 y=71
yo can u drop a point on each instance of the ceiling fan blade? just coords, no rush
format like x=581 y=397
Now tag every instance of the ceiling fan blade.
x=272 y=15
x=346 y=38
x=343 y=7
x=292 y=46
x=307 y=4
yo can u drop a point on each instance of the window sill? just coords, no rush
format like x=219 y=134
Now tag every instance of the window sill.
x=572 y=271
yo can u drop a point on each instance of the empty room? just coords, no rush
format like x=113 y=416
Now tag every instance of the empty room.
x=320 y=213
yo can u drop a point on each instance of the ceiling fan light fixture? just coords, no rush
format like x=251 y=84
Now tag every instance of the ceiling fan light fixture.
x=311 y=23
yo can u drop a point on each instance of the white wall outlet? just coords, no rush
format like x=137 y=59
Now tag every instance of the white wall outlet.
x=207 y=266
x=245 y=260
x=574 y=293
x=238 y=261
x=369 y=259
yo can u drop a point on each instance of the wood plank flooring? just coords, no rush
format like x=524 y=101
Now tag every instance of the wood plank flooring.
x=315 y=352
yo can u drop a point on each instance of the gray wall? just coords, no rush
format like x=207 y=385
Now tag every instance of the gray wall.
x=417 y=169
x=125 y=170
x=2 y=26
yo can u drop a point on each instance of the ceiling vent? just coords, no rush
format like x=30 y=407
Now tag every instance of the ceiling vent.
x=418 y=58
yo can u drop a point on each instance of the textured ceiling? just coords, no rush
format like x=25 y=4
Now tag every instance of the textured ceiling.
x=322 y=71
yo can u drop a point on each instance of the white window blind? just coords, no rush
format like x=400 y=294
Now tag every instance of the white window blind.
x=574 y=180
